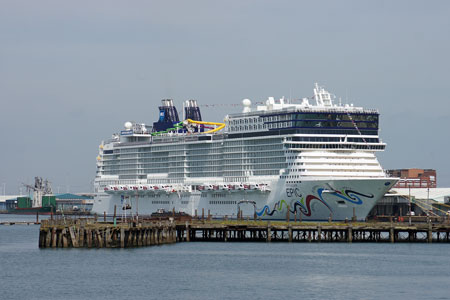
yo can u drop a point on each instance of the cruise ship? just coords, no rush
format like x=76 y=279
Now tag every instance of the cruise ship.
x=310 y=159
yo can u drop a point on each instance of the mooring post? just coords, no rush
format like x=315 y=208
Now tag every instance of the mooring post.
x=104 y=216
x=37 y=217
x=269 y=233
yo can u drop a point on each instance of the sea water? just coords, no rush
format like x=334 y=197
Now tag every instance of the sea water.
x=216 y=270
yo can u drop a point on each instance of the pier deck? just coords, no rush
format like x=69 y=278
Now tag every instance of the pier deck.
x=88 y=233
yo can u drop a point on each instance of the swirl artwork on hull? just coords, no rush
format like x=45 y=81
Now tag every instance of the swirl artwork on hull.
x=304 y=206
x=348 y=195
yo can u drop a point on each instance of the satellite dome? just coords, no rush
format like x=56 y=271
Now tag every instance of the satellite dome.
x=128 y=125
x=246 y=102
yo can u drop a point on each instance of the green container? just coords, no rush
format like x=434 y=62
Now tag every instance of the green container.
x=48 y=201
x=23 y=202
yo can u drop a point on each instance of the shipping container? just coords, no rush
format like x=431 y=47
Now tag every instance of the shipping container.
x=48 y=201
x=23 y=202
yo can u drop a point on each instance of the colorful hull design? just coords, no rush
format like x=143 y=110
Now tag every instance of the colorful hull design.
x=312 y=199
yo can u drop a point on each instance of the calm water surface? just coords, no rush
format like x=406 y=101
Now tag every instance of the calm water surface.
x=221 y=270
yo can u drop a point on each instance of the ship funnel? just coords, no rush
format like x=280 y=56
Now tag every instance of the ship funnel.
x=167 y=102
x=168 y=116
x=192 y=111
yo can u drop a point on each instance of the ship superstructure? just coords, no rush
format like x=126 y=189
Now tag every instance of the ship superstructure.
x=315 y=159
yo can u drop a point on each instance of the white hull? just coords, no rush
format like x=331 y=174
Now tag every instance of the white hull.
x=313 y=199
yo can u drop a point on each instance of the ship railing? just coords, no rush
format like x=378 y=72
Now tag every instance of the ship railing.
x=130 y=144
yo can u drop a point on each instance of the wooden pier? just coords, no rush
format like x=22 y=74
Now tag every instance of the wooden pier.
x=88 y=233
x=319 y=232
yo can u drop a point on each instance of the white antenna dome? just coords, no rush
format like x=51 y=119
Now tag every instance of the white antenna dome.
x=247 y=102
x=128 y=125
x=247 y=105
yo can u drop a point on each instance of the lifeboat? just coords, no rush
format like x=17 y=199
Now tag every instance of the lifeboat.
x=254 y=186
x=164 y=188
x=242 y=187
x=115 y=188
x=264 y=187
x=224 y=187
x=212 y=187
x=231 y=187
x=201 y=187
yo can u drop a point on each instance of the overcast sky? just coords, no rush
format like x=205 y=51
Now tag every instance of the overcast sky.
x=72 y=72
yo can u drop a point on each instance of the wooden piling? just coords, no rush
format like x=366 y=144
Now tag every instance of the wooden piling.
x=288 y=214
x=73 y=237
x=188 y=232
x=54 y=237
x=290 y=233
x=430 y=233
x=392 y=234
x=349 y=234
